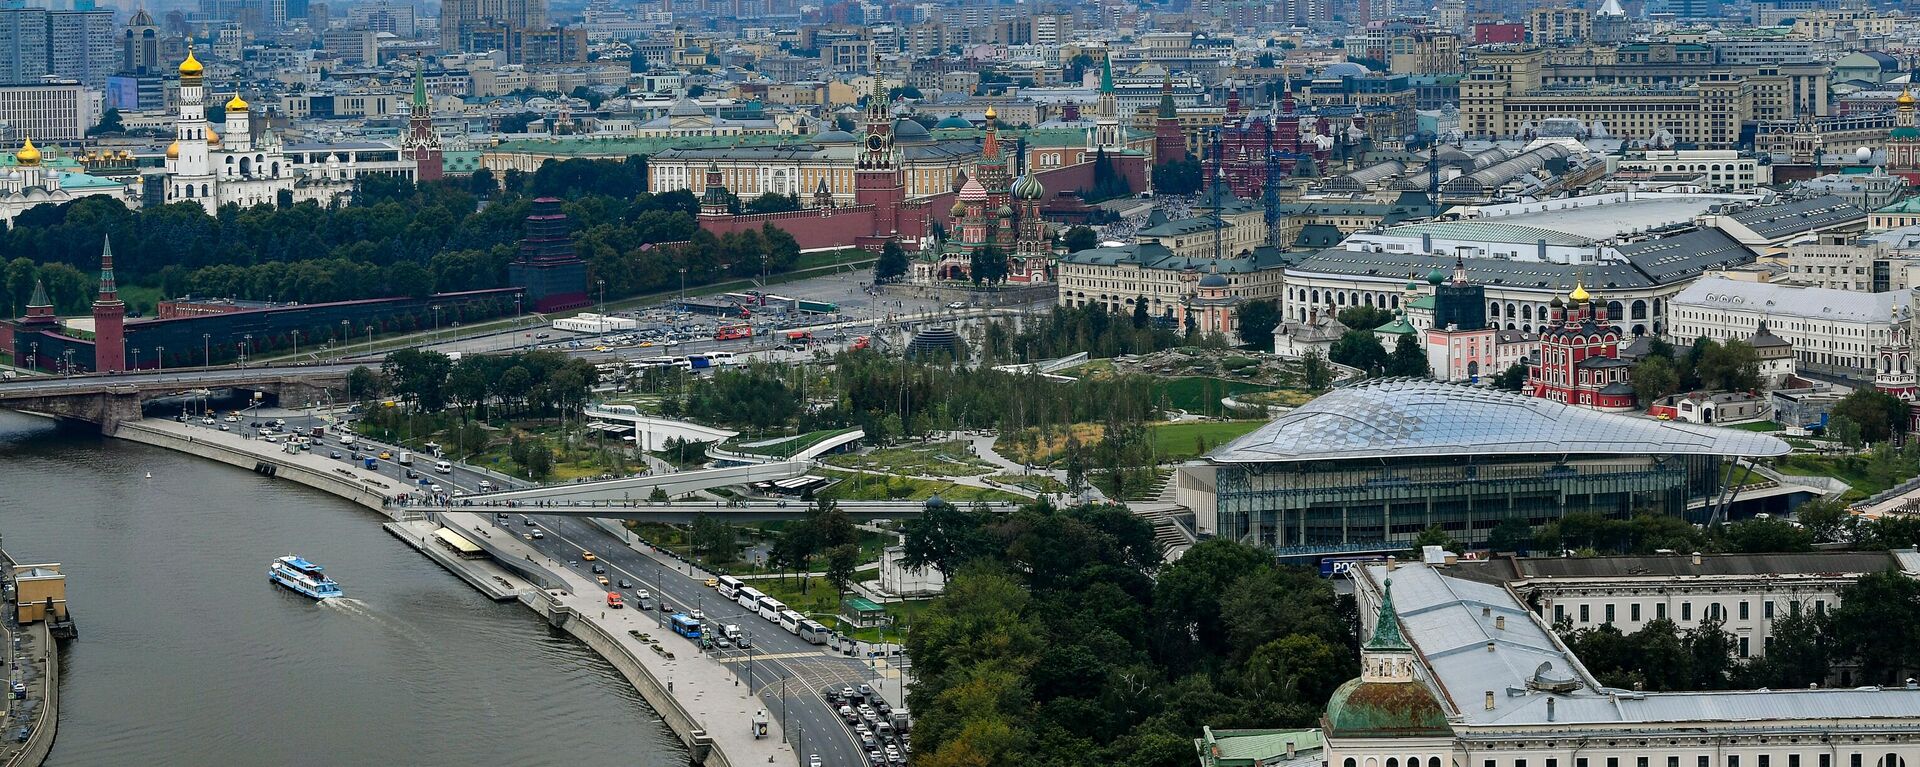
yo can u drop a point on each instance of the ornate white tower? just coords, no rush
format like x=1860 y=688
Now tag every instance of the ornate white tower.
x=239 y=132
x=189 y=159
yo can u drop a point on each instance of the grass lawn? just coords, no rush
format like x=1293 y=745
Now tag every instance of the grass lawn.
x=1852 y=470
x=1759 y=426
x=1199 y=394
x=938 y=459
x=869 y=487
x=1282 y=397
x=1179 y=441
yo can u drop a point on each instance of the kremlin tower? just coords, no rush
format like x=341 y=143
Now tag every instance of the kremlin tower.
x=420 y=142
x=109 y=319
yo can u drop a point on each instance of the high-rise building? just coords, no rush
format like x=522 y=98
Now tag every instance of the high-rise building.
x=460 y=18
x=77 y=45
x=23 y=45
x=80 y=46
x=140 y=46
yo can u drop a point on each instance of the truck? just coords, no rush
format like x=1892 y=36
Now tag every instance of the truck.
x=614 y=600
x=371 y=463
x=731 y=632
x=731 y=332
x=862 y=342
x=816 y=307
x=406 y=458
x=759 y=725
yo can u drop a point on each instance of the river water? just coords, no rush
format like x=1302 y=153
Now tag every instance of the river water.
x=187 y=655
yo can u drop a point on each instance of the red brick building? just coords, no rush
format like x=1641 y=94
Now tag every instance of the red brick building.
x=1579 y=359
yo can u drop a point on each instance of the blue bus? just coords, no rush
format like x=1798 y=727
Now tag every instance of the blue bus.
x=685 y=626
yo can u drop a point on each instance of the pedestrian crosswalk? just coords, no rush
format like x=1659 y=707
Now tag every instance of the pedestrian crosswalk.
x=774 y=656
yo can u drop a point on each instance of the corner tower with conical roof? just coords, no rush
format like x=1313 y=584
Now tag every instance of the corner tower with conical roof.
x=109 y=319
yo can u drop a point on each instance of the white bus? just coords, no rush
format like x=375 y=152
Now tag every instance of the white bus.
x=728 y=586
x=771 y=608
x=749 y=597
x=790 y=621
x=813 y=632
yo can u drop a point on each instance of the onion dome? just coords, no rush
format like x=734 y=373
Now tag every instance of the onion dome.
x=973 y=191
x=1028 y=188
x=1005 y=211
x=213 y=137
x=1557 y=303
x=1906 y=100
x=991 y=114
x=236 y=105
x=1579 y=294
x=28 y=156
x=1436 y=276
x=173 y=151
x=959 y=209
x=1213 y=280
x=191 y=67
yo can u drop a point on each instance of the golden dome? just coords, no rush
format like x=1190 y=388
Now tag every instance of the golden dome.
x=27 y=156
x=1579 y=294
x=191 y=67
x=173 y=151
x=236 y=105
x=1906 y=99
x=991 y=114
x=213 y=137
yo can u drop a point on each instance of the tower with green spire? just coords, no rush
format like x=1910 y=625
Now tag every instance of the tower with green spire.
x=1388 y=700
x=421 y=144
x=1106 y=111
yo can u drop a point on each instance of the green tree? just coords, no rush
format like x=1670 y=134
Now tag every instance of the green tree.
x=988 y=266
x=1187 y=597
x=943 y=537
x=1364 y=317
x=539 y=461
x=1434 y=535
x=892 y=264
x=419 y=375
x=1654 y=377
x=1513 y=535
x=1359 y=349
x=1315 y=374
x=1257 y=320
x=1878 y=414
x=1732 y=366
x=713 y=539
x=772 y=203
x=1766 y=536
x=1845 y=431
x=109 y=123
x=1826 y=519
x=1140 y=318
x=1875 y=623
x=1079 y=238
x=841 y=562
x=1514 y=378
x=1408 y=359
x=365 y=385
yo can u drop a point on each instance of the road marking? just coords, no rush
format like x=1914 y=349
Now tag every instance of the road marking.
x=778 y=656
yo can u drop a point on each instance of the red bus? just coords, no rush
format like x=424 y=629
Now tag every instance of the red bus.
x=730 y=332
x=799 y=337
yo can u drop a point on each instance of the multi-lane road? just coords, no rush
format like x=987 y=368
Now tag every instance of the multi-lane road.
x=777 y=662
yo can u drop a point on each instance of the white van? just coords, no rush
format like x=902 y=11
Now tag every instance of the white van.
x=406 y=458
x=346 y=440
x=443 y=467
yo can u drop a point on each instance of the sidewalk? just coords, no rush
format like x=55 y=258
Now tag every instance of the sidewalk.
x=709 y=692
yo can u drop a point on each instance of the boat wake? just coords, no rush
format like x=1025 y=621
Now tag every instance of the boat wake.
x=364 y=611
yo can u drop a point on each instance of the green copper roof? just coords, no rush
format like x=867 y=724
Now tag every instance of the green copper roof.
x=1909 y=205
x=419 y=86
x=1386 y=630
x=1423 y=302
x=1362 y=709
x=1246 y=748
x=1106 y=74
x=1398 y=327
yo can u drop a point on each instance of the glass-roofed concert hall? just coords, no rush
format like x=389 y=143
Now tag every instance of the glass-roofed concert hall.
x=1378 y=462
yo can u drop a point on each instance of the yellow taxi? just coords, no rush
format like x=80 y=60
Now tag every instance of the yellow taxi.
x=587 y=555
x=603 y=581
x=386 y=456
x=711 y=582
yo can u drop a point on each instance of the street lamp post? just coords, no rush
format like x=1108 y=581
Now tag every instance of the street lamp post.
x=345 y=331
x=783 y=707
x=436 y=322
x=206 y=350
x=246 y=350
x=603 y=295
x=136 y=358
x=33 y=356
x=296 y=343
x=160 y=356
x=369 y=339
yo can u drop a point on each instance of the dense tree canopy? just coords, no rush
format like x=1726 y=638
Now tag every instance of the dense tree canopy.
x=1061 y=640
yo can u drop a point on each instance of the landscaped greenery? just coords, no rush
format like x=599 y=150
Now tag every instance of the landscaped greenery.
x=1062 y=639
x=856 y=486
x=1759 y=426
x=1200 y=395
x=939 y=459
x=1179 y=441
x=1039 y=483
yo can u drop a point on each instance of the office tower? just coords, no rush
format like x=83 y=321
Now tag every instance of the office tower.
x=23 y=45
